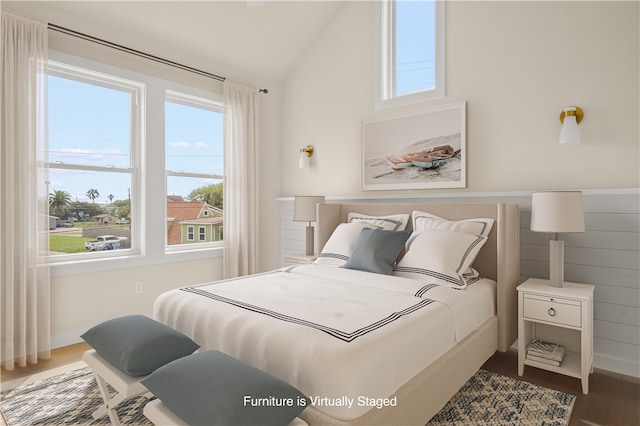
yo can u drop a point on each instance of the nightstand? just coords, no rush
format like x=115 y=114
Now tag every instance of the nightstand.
x=299 y=259
x=559 y=315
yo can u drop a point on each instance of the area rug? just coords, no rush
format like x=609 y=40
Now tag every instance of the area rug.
x=486 y=399
x=65 y=399
x=492 y=399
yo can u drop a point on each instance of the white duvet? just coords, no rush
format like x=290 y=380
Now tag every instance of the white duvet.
x=345 y=338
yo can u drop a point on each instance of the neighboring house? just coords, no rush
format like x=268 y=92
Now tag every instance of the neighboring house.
x=192 y=221
x=106 y=219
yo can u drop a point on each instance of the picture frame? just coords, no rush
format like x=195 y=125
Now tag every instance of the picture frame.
x=423 y=149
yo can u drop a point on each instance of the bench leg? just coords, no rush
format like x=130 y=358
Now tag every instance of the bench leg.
x=109 y=403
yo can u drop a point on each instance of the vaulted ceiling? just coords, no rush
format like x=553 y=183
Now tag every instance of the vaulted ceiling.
x=265 y=38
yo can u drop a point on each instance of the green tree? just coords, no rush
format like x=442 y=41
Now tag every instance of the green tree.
x=122 y=208
x=83 y=210
x=58 y=202
x=111 y=197
x=211 y=195
x=92 y=194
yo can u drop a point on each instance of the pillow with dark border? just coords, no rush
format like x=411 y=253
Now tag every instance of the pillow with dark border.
x=440 y=257
x=377 y=250
x=213 y=388
x=137 y=344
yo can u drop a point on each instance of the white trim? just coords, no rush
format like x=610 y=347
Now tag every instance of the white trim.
x=153 y=248
x=503 y=194
x=384 y=94
x=76 y=70
x=134 y=261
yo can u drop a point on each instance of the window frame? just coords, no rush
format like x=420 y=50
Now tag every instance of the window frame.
x=385 y=96
x=137 y=92
x=152 y=198
x=195 y=101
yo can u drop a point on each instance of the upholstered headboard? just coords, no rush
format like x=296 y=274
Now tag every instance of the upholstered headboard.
x=499 y=258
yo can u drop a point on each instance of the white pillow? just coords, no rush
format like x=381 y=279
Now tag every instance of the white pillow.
x=477 y=226
x=339 y=247
x=393 y=222
x=439 y=257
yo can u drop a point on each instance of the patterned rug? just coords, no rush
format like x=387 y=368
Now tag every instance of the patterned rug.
x=492 y=399
x=486 y=399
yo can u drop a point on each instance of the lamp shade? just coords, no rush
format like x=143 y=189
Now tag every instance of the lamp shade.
x=570 y=133
x=557 y=212
x=304 y=207
x=303 y=161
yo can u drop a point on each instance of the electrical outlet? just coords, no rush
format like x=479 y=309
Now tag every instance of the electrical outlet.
x=139 y=287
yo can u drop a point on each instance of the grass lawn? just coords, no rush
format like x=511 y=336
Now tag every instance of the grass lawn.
x=67 y=243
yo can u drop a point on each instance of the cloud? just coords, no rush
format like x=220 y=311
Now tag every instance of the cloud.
x=180 y=144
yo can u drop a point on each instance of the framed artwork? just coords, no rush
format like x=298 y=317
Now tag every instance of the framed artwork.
x=419 y=150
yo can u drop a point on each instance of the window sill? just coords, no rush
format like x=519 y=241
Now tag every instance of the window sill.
x=132 y=261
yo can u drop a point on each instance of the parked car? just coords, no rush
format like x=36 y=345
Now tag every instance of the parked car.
x=105 y=242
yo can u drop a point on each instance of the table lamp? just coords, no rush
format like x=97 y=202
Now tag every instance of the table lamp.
x=304 y=210
x=557 y=212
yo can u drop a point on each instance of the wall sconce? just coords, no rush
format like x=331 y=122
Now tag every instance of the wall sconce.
x=305 y=155
x=570 y=117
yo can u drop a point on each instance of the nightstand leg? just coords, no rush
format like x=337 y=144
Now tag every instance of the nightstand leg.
x=585 y=384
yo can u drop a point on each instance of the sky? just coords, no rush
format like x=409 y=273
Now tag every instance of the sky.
x=415 y=64
x=90 y=125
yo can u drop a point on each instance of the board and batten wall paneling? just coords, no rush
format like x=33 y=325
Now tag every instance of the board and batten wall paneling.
x=607 y=256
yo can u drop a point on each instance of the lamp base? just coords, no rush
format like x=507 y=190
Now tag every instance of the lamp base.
x=556 y=263
x=309 y=249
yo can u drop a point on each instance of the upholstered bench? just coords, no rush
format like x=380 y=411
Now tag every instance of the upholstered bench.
x=125 y=351
x=212 y=388
x=160 y=415
x=126 y=386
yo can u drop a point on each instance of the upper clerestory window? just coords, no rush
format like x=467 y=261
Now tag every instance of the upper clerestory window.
x=410 y=51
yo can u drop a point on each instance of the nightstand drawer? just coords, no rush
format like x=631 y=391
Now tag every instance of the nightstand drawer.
x=556 y=310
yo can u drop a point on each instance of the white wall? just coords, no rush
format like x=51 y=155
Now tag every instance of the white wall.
x=516 y=64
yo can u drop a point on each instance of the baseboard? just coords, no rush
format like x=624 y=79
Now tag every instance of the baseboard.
x=66 y=339
x=623 y=369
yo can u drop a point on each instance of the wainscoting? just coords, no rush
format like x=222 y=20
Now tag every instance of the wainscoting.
x=607 y=255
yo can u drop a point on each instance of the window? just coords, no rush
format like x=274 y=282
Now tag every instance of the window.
x=410 y=51
x=94 y=162
x=194 y=166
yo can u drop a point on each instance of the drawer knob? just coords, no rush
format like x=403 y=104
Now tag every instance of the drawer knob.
x=552 y=312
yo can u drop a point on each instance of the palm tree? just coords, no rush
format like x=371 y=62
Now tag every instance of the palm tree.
x=58 y=202
x=93 y=194
x=111 y=197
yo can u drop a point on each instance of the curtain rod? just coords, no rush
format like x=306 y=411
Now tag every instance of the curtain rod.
x=138 y=53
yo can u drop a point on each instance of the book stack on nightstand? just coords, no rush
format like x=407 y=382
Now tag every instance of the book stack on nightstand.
x=546 y=352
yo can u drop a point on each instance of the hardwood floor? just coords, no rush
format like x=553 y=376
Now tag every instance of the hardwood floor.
x=59 y=357
x=613 y=400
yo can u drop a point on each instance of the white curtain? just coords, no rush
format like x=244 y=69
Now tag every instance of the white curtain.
x=241 y=180
x=24 y=222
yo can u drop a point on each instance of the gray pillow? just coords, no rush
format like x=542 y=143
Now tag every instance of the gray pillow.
x=212 y=388
x=377 y=250
x=137 y=344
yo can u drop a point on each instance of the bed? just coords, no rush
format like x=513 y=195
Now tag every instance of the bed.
x=366 y=348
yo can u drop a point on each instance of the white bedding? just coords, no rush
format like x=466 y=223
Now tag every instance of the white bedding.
x=345 y=338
